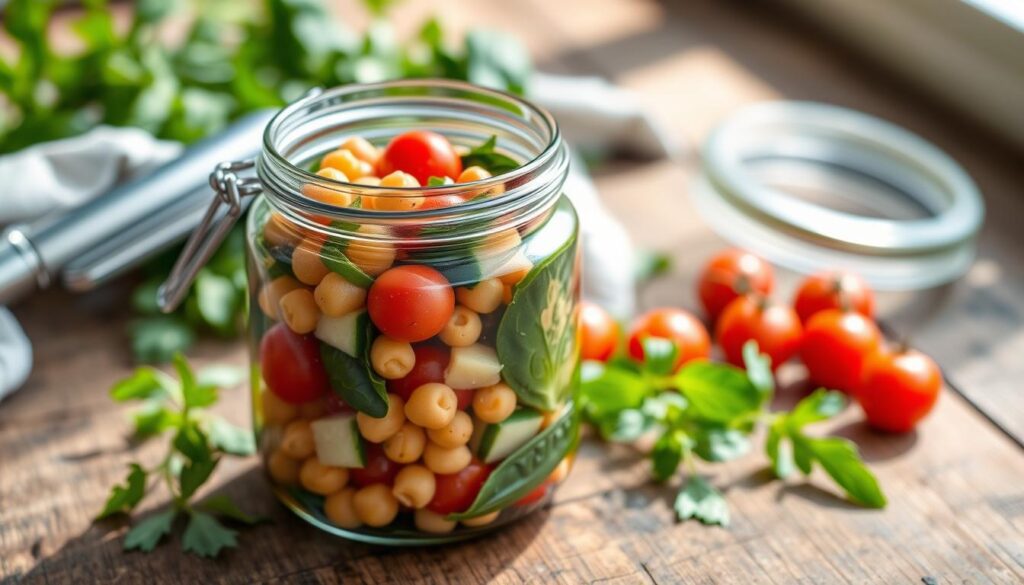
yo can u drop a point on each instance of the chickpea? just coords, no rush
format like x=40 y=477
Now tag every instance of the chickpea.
x=443 y=460
x=297 y=441
x=313 y=409
x=336 y=296
x=561 y=471
x=473 y=173
x=282 y=468
x=433 y=522
x=306 y=263
x=455 y=433
x=502 y=241
x=276 y=411
x=341 y=510
x=481 y=520
x=322 y=479
x=372 y=257
x=363 y=149
x=278 y=232
x=462 y=329
x=483 y=298
x=432 y=405
x=368 y=180
x=406 y=445
x=378 y=430
x=299 y=311
x=414 y=486
x=346 y=161
x=270 y=295
x=375 y=505
x=391 y=358
x=330 y=195
x=510 y=278
x=494 y=404
x=395 y=201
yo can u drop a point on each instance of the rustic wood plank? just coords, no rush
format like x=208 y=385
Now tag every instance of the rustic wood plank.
x=957 y=511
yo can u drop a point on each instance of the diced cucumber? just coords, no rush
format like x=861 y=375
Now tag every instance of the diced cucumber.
x=473 y=366
x=347 y=333
x=492 y=442
x=338 y=442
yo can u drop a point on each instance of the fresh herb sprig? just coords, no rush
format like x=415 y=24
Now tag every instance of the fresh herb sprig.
x=198 y=442
x=709 y=411
x=487 y=156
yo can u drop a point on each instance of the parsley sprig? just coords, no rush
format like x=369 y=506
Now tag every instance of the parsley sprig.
x=199 y=441
x=709 y=411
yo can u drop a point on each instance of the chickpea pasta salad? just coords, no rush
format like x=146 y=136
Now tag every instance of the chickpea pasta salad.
x=415 y=361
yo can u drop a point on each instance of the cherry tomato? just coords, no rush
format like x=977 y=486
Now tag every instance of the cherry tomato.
x=536 y=495
x=598 y=331
x=898 y=389
x=455 y=492
x=431 y=360
x=774 y=327
x=291 y=365
x=441 y=201
x=729 y=274
x=675 y=324
x=421 y=154
x=833 y=290
x=378 y=468
x=411 y=303
x=835 y=346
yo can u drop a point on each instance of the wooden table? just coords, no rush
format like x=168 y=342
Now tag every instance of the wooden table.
x=956 y=510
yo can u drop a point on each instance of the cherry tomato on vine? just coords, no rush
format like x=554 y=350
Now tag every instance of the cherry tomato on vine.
x=833 y=290
x=378 y=468
x=455 y=492
x=411 y=303
x=729 y=274
x=898 y=389
x=677 y=325
x=422 y=154
x=835 y=347
x=291 y=365
x=599 y=332
x=775 y=327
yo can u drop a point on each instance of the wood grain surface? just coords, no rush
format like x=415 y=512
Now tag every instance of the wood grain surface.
x=956 y=486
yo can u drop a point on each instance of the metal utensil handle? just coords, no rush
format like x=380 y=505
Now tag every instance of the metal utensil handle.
x=229 y=190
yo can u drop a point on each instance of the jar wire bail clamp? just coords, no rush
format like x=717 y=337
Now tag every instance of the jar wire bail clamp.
x=229 y=189
x=812 y=186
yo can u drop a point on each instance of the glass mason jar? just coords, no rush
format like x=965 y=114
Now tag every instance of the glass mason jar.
x=414 y=349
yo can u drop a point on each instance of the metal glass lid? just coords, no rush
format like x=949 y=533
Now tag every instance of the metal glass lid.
x=811 y=187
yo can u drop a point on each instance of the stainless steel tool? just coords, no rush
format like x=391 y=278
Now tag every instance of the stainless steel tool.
x=87 y=245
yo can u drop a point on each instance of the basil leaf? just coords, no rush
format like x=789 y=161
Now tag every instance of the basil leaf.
x=143 y=384
x=157 y=339
x=821 y=405
x=660 y=355
x=191 y=442
x=627 y=426
x=759 y=369
x=153 y=419
x=718 y=392
x=537 y=334
x=230 y=438
x=333 y=258
x=354 y=382
x=206 y=536
x=194 y=394
x=720 y=444
x=802 y=456
x=123 y=498
x=667 y=455
x=145 y=535
x=840 y=459
x=782 y=459
x=650 y=265
x=225 y=507
x=612 y=390
x=486 y=157
x=698 y=499
x=526 y=468
x=439 y=181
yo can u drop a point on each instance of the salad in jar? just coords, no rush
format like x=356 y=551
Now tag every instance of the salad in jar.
x=413 y=377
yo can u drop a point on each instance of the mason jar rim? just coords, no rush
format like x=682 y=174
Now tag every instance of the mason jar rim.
x=275 y=168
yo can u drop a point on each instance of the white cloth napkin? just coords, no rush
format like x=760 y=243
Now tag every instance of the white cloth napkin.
x=592 y=114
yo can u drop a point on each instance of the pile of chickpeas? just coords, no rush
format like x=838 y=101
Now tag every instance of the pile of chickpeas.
x=425 y=435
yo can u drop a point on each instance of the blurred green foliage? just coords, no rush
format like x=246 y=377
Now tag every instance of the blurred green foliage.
x=236 y=56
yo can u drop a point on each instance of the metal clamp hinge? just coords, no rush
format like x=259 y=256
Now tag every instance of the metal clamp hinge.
x=229 y=190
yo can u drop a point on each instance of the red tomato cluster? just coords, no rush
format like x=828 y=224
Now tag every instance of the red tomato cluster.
x=830 y=325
